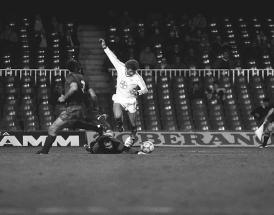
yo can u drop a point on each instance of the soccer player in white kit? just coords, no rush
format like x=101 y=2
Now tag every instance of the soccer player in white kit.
x=125 y=98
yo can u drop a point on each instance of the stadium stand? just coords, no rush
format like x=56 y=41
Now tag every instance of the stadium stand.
x=209 y=51
x=29 y=96
x=223 y=43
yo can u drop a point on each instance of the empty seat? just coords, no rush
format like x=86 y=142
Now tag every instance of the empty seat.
x=216 y=115
x=199 y=114
x=167 y=112
x=150 y=106
x=181 y=104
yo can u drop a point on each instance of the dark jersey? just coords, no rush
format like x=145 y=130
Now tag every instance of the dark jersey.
x=271 y=117
x=78 y=97
x=260 y=113
x=109 y=145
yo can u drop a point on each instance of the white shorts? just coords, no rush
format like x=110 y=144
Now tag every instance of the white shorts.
x=130 y=104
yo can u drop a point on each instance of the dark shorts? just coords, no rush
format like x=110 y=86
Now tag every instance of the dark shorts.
x=269 y=128
x=73 y=113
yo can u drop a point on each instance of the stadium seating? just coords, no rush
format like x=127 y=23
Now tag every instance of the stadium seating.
x=216 y=116
x=167 y=112
x=10 y=109
x=150 y=106
x=54 y=49
x=181 y=103
x=168 y=105
x=199 y=114
x=241 y=35
x=6 y=61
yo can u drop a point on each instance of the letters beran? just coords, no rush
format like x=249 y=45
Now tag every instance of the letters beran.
x=30 y=140
x=208 y=139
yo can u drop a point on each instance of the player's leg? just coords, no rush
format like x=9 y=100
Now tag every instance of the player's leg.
x=57 y=125
x=269 y=127
x=102 y=119
x=64 y=120
x=88 y=126
x=133 y=127
x=131 y=110
x=118 y=116
x=98 y=117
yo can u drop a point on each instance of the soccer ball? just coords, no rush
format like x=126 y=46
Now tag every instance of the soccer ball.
x=147 y=147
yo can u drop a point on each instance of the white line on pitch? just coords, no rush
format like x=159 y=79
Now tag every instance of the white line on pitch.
x=88 y=210
x=13 y=211
x=72 y=210
x=214 y=152
x=146 y=209
x=120 y=210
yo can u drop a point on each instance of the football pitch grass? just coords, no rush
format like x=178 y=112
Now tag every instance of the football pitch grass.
x=168 y=181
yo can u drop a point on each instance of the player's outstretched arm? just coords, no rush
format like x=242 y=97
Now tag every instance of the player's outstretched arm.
x=72 y=88
x=112 y=57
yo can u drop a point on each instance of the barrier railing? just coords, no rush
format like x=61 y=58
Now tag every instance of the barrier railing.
x=203 y=72
x=150 y=72
x=34 y=73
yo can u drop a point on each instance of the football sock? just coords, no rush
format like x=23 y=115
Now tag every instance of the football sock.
x=265 y=139
x=48 y=143
x=119 y=122
x=133 y=131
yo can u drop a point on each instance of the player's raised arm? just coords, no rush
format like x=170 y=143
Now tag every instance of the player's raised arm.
x=112 y=57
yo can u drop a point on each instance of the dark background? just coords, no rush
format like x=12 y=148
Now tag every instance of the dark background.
x=92 y=11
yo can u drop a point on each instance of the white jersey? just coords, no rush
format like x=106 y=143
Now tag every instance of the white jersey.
x=124 y=84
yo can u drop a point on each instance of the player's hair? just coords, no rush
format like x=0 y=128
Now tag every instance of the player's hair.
x=103 y=139
x=109 y=133
x=132 y=64
x=74 y=66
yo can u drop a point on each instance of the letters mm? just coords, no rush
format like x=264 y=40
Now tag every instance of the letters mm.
x=29 y=140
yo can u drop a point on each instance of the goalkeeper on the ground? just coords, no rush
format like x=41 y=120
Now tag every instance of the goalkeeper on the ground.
x=108 y=144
